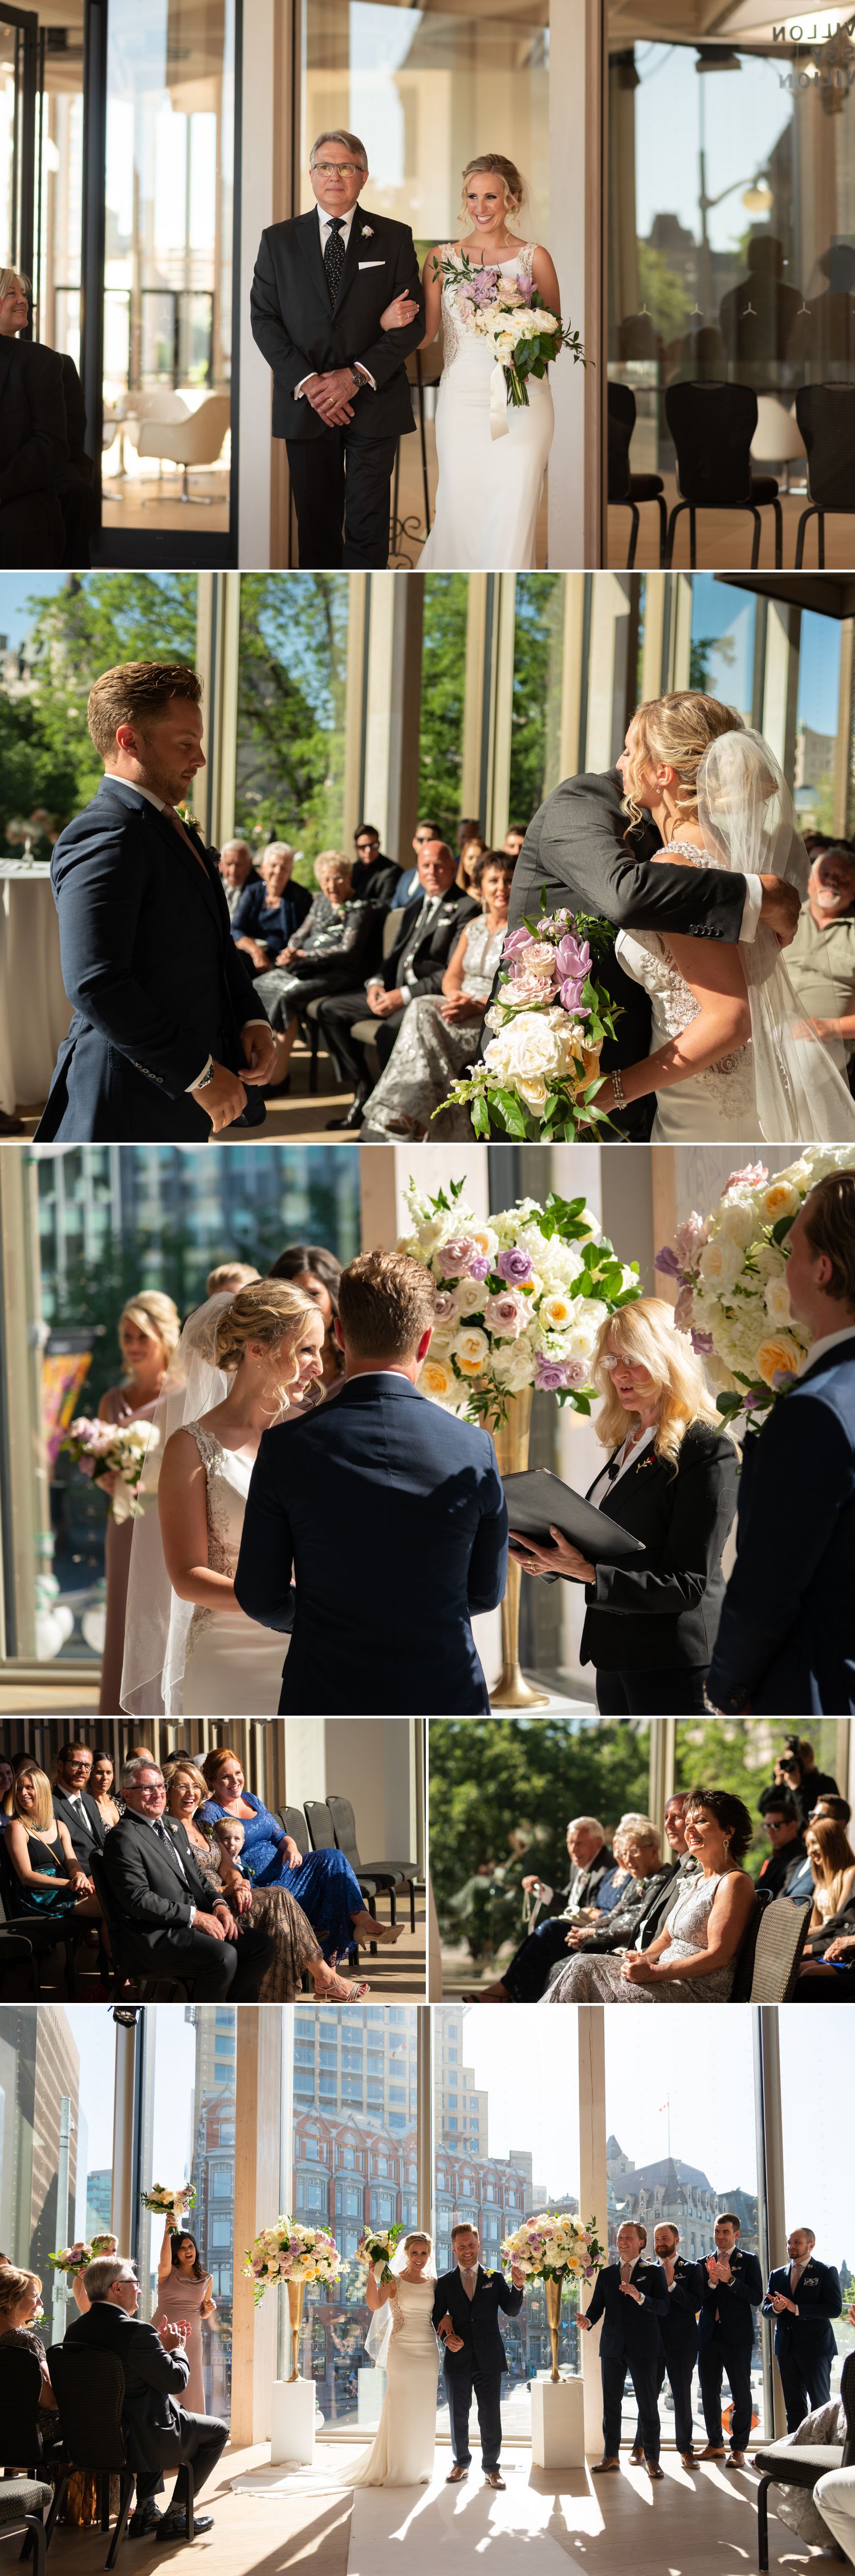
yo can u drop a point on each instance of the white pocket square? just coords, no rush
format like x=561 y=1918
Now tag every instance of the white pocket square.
x=372 y=263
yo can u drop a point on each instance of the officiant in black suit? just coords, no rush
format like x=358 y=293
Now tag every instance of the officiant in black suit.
x=341 y=399
x=466 y=2318
x=171 y=1924
x=580 y=850
x=168 y=1042
x=429 y=929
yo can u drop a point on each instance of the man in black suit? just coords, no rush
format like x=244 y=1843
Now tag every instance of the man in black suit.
x=57 y=398
x=787 y=1854
x=631 y=2296
x=732 y=2287
x=803 y=2296
x=169 y=1920
x=33 y=437
x=430 y=928
x=525 y=1977
x=341 y=399
x=71 y=1805
x=159 y=2433
x=579 y=849
x=679 y=2332
x=168 y=1042
x=423 y=1490
x=466 y=2319
x=373 y=876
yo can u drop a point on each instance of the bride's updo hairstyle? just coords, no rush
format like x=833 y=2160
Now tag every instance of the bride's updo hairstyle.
x=494 y=165
x=272 y=1312
x=645 y=1332
x=678 y=730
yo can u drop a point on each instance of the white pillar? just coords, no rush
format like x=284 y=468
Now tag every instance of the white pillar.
x=257 y=209
x=591 y=2040
x=575 y=224
x=371 y=1761
x=258 y=2094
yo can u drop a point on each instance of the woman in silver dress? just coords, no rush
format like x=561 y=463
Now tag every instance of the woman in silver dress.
x=441 y=1031
x=693 y=1959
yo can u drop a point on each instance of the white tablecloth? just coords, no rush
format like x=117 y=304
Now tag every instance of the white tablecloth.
x=34 y=1012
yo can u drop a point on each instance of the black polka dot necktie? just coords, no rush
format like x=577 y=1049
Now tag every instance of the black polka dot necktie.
x=334 y=258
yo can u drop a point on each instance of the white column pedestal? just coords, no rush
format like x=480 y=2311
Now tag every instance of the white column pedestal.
x=557 y=2424
x=292 y=2429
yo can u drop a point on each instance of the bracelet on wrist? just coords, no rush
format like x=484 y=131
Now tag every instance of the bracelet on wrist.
x=618 y=1089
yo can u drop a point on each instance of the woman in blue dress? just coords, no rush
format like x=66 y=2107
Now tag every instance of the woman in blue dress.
x=322 y=1881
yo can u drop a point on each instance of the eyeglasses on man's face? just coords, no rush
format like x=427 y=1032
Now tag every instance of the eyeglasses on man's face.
x=337 y=169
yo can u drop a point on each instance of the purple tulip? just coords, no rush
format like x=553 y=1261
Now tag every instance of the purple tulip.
x=571 y=959
x=516 y=941
x=753 y=1400
x=702 y=1343
x=515 y=1266
x=568 y=995
x=667 y=1262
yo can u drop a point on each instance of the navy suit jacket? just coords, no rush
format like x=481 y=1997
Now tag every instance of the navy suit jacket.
x=152 y=972
x=679 y=2329
x=786 y=1641
x=629 y=2330
x=391 y=1514
x=818 y=2299
x=735 y=2300
x=476 y=2319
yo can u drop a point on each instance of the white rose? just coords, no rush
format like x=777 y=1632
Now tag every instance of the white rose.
x=486 y=1241
x=736 y=1221
x=555 y=1312
x=469 y=1296
x=579 y=1343
x=440 y=1341
x=779 y=1199
x=436 y=1378
x=513 y=1365
x=720 y=1263
x=778 y=1301
x=471 y=1349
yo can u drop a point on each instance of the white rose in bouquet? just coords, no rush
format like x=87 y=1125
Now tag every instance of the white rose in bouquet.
x=720 y=1263
x=471 y=1349
x=737 y=1221
x=777 y=1301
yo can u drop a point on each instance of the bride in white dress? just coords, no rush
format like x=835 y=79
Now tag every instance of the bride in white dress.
x=732 y=1056
x=241 y=1364
x=490 y=487
x=405 y=2345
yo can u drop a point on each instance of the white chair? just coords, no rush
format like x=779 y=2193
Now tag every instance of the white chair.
x=777 y=438
x=196 y=438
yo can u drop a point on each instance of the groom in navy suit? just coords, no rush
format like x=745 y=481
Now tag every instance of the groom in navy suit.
x=786 y=1638
x=466 y=2319
x=168 y=1041
x=391 y=1514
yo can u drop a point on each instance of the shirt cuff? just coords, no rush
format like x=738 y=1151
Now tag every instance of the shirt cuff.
x=304 y=380
x=193 y=1086
x=751 y=909
x=193 y=1912
x=262 y=1023
x=546 y=1893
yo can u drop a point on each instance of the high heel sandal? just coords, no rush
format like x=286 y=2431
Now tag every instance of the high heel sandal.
x=353 y=1994
x=384 y=1933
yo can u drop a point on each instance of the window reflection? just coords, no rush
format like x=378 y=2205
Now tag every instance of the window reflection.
x=816 y=2190
x=56 y=2139
x=187 y=2134
x=350 y=2161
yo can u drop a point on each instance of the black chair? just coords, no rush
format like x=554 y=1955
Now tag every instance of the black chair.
x=22 y=2509
x=295 y=1824
x=627 y=491
x=26 y=2438
x=16 y=1954
x=712 y=426
x=745 y=1957
x=44 y=1932
x=389 y=1874
x=323 y=1838
x=122 y=1968
x=800 y=2464
x=90 y=2390
x=826 y=418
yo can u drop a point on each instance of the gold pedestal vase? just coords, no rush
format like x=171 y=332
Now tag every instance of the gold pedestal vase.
x=553 y=2290
x=511 y=1445
x=296 y=2293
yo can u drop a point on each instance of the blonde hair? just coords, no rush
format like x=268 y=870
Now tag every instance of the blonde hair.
x=15 y=2281
x=224 y=1826
x=836 y=1856
x=419 y=2237
x=11 y=277
x=42 y=1814
x=495 y=165
x=677 y=729
x=645 y=1331
x=155 y=1315
x=230 y=1276
x=181 y=1762
x=272 y=1312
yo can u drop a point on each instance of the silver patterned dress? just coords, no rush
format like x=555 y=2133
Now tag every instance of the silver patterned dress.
x=431 y=1053
x=718 y=1105
x=598 y=1980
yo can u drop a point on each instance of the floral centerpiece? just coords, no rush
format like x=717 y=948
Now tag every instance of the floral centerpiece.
x=112 y=1449
x=377 y=2245
x=71 y=2259
x=170 y=2204
x=554 y=2248
x=731 y=1269
x=290 y=2252
x=519 y=1301
x=510 y=314
x=540 y=1070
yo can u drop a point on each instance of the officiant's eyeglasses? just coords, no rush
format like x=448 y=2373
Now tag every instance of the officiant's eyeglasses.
x=341 y=169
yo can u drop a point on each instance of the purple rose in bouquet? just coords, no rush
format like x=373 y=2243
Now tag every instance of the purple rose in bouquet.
x=515 y=1266
x=551 y=1375
x=457 y=1255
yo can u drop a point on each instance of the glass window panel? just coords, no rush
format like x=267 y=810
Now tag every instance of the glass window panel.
x=682 y=2147
x=525 y=2158
x=539 y=1771
x=56 y=2138
x=722 y=649
x=328 y=2149
x=817 y=2189
x=291 y=705
x=817 y=708
x=442 y=699
x=536 y=705
x=187 y=2118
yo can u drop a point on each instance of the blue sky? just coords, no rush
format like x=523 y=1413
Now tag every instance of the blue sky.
x=17 y=590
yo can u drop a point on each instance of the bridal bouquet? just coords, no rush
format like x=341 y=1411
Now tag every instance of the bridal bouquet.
x=112 y=1449
x=169 y=2203
x=377 y=2245
x=510 y=314
x=519 y=1301
x=540 y=1070
x=71 y=2259
x=545 y=2247
x=732 y=1272
x=290 y=2252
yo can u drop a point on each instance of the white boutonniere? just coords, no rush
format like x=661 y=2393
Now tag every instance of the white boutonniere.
x=367 y=232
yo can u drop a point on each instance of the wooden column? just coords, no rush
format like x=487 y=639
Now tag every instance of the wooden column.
x=258 y=2100
x=591 y=2042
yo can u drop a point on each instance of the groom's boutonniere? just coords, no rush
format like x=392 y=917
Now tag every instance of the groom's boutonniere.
x=367 y=232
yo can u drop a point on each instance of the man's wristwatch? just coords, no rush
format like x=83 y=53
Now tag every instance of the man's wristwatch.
x=358 y=380
x=206 y=1077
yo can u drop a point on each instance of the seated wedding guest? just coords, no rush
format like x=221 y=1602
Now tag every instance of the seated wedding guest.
x=631 y=2296
x=295 y=1945
x=322 y=1881
x=785 y=1640
x=237 y=869
x=591 y=1862
x=266 y=920
x=311 y=1267
x=788 y=1854
x=49 y=1877
x=834 y=2497
x=159 y=2432
x=374 y=877
x=470 y=854
x=528 y=1974
x=185 y=2297
x=407 y=883
x=803 y=2296
x=822 y=955
x=679 y=2332
x=334 y=944
x=148 y=1332
x=833 y=1863
x=170 y=1923
x=513 y=840
x=20 y=2301
x=612 y=1886
x=72 y=1804
x=101 y=1783
x=671 y=1480
x=33 y=437
x=440 y=1033
x=416 y=964
x=6 y=1779
x=731 y=2288
x=693 y=1958
x=230 y=1276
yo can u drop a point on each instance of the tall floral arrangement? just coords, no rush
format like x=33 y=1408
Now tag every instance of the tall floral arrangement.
x=731 y=1269
x=519 y=1301
x=540 y=1071
x=290 y=2252
x=546 y=2247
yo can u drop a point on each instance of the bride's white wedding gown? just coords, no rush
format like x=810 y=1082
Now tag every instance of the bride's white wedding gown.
x=233 y=1667
x=718 y=1106
x=403 y=2451
x=489 y=489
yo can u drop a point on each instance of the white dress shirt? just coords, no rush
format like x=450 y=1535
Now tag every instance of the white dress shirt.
x=828 y=1342
x=345 y=230
x=605 y=1483
x=422 y=923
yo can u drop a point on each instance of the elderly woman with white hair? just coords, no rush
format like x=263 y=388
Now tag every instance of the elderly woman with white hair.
x=271 y=909
x=332 y=952
x=670 y=1480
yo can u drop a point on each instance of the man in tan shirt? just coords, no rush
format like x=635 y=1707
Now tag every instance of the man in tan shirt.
x=821 y=958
